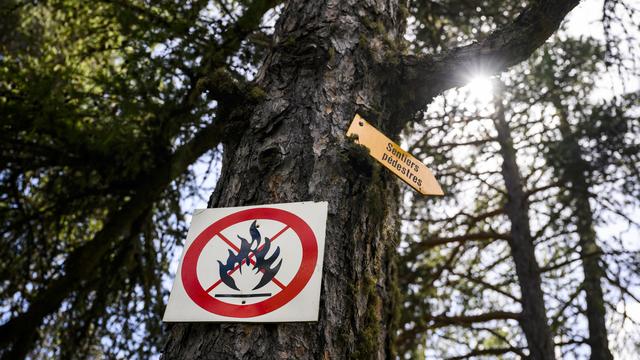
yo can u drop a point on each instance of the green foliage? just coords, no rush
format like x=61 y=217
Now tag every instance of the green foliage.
x=95 y=97
x=440 y=25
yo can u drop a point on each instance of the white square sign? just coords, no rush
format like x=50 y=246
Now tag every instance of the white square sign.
x=251 y=264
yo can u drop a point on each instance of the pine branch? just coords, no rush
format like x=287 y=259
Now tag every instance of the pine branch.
x=446 y=320
x=430 y=75
x=487 y=285
x=83 y=261
x=480 y=236
x=438 y=321
x=484 y=352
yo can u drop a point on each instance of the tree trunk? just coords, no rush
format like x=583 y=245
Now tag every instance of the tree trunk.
x=574 y=174
x=534 y=318
x=323 y=69
x=590 y=253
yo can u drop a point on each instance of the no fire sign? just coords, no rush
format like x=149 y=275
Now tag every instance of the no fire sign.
x=251 y=264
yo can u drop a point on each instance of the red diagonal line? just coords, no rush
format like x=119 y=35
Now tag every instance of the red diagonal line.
x=232 y=245
x=271 y=240
x=220 y=280
x=277 y=282
x=275 y=236
x=214 y=285
x=253 y=262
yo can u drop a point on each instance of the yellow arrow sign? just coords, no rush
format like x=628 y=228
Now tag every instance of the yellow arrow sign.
x=404 y=165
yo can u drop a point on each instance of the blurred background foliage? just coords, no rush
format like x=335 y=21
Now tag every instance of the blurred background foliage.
x=95 y=97
x=572 y=113
x=103 y=103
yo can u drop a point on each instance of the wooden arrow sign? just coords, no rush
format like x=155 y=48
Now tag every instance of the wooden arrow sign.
x=404 y=165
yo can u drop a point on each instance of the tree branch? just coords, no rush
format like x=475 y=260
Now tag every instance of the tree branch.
x=433 y=74
x=480 y=236
x=485 y=352
x=445 y=320
x=487 y=285
x=460 y=320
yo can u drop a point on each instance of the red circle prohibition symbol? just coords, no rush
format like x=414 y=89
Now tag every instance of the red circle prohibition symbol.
x=309 y=258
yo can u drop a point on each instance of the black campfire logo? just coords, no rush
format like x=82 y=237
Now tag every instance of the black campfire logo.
x=248 y=249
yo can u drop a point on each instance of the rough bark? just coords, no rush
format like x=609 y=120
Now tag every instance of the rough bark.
x=574 y=176
x=533 y=320
x=322 y=70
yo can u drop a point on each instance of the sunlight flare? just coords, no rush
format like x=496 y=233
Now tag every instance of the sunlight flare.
x=480 y=89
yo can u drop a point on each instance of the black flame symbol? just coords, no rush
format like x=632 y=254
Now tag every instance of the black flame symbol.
x=247 y=248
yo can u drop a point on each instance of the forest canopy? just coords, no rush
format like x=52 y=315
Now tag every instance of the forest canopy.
x=113 y=116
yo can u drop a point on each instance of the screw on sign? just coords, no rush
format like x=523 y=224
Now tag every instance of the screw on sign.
x=251 y=264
